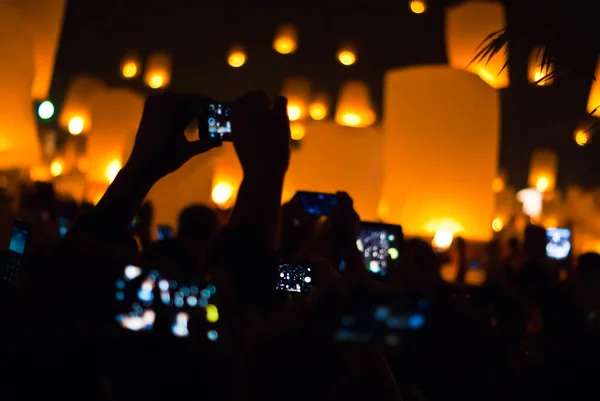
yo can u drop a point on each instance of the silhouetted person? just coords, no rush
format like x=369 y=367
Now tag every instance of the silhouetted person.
x=196 y=227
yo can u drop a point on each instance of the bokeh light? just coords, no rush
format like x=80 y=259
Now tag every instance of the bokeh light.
x=297 y=131
x=347 y=57
x=443 y=239
x=130 y=70
x=46 y=110
x=222 y=194
x=236 y=58
x=156 y=81
x=56 y=168
x=317 y=111
x=76 y=125
x=112 y=170
x=294 y=112
x=418 y=6
x=286 y=39
x=582 y=138
x=497 y=224
x=542 y=184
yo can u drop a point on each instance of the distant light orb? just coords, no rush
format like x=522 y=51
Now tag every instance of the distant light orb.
x=581 y=138
x=112 y=170
x=294 y=112
x=346 y=57
x=317 y=111
x=418 y=6
x=443 y=239
x=46 y=110
x=130 y=70
x=394 y=253
x=285 y=45
x=498 y=185
x=351 y=119
x=542 y=184
x=222 y=194
x=236 y=59
x=75 y=125
x=56 y=168
x=538 y=78
x=156 y=81
x=497 y=224
x=297 y=131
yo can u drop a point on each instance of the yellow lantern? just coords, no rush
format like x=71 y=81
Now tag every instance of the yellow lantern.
x=497 y=224
x=593 y=105
x=44 y=20
x=286 y=39
x=236 y=57
x=354 y=105
x=468 y=24
x=297 y=91
x=347 y=54
x=158 y=70
x=542 y=170
x=75 y=115
x=297 y=131
x=582 y=137
x=130 y=66
x=116 y=114
x=222 y=194
x=424 y=188
x=538 y=75
x=418 y=6
x=319 y=106
x=19 y=143
x=56 y=168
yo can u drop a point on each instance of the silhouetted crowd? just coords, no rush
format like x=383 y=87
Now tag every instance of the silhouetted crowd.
x=261 y=302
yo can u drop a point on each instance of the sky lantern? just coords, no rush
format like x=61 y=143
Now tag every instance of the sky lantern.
x=131 y=66
x=297 y=90
x=499 y=183
x=116 y=114
x=354 y=105
x=468 y=24
x=44 y=19
x=582 y=137
x=425 y=189
x=347 y=54
x=319 y=106
x=594 y=99
x=158 y=70
x=286 y=39
x=236 y=57
x=75 y=115
x=538 y=75
x=19 y=143
x=532 y=201
x=417 y=6
x=542 y=170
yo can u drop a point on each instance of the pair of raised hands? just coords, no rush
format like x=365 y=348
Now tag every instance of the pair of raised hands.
x=261 y=134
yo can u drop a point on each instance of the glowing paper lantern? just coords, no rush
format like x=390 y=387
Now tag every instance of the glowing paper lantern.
x=297 y=91
x=347 y=54
x=468 y=24
x=354 y=105
x=319 y=106
x=222 y=194
x=497 y=224
x=499 y=182
x=539 y=75
x=130 y=66
x=75 y=115
x=581 y=137
x=286 y=39
x=44 y=20
x=594 y=99
x=418 y=6
x=297 y=131
x=158 y=70
x=542 y=170
x=116 y=114
x=425 y=189
x=56 y=168
x=19 y=143
x=532 y=201
x=236 y=57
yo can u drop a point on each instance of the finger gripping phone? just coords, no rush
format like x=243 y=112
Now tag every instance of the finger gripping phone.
x=214 y=122
x=317 y=203
x=294 y=278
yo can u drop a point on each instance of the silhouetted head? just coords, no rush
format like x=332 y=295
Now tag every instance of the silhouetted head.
x=197 y=224
x=535 y=242
x=425 y=259
x=589 y=264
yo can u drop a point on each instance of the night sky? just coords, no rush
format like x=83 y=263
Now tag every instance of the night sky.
x=198 y=34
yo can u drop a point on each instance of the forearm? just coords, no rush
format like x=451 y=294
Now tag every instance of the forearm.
x=256 y=210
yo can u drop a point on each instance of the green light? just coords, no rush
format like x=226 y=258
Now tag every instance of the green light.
x=46 y=110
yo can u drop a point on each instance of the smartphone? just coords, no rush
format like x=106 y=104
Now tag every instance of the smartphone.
x=381 y=318
x=316 y=203
x=135 y=222
x=379 y=243
x=63 y=226
x=559 y=243
x=294 y=278
x=214 y=123
x=164 y=232
x=16 y=250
